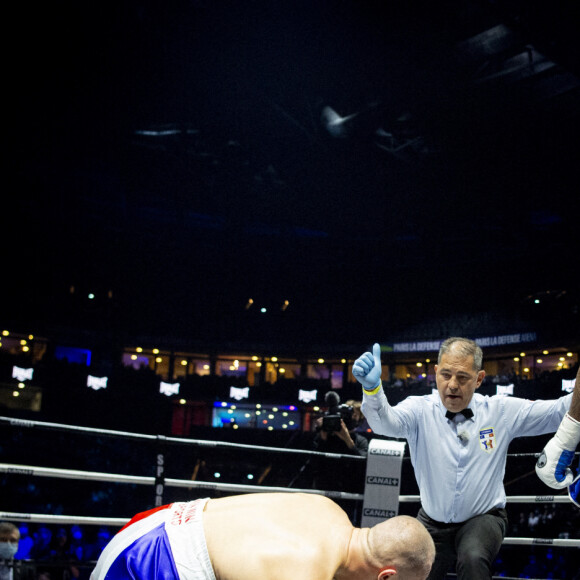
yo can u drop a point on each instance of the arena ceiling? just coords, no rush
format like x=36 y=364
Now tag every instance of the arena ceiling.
x=374 y=163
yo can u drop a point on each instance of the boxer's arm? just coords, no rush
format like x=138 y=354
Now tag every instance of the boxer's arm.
x=553 y=465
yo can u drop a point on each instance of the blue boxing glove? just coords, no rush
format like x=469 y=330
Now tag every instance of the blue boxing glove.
x=553 y=465
x=574 y=490
x=367 y=370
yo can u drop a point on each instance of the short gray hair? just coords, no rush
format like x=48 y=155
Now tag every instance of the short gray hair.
x=466 y=347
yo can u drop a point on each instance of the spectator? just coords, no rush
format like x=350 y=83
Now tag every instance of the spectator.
x=9 y=538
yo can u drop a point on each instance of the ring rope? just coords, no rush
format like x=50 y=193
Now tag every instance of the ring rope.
x=62 y=519
x=28 y=470
x=15 y=469
x=196 y=442
x=28 y=423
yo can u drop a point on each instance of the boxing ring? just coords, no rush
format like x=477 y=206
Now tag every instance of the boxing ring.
x=160 y=484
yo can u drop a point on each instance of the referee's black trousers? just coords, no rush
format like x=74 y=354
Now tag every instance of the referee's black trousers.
x=471 y=545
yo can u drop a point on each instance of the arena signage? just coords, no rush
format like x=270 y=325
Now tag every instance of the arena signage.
x=382 y=481
x=379 y=513
x=375 y=480
x=392 y=452
x=486 y=341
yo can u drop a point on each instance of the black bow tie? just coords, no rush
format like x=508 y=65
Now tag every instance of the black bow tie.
x=467 y=413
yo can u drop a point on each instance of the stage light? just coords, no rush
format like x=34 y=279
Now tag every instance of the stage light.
x=306 y=396
x=168 y=388
x=97 y=383
x=568 y=385
x=239 y=393
x=21 y=374
x=505 y=390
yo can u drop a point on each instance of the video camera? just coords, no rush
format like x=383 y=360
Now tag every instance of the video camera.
x=336 y=412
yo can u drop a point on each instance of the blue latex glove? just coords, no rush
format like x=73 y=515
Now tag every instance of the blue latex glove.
x=367 y=368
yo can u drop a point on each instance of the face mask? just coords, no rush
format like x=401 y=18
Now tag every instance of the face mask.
x=7 y=550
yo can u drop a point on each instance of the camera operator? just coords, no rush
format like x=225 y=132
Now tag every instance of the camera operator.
x=337 y=433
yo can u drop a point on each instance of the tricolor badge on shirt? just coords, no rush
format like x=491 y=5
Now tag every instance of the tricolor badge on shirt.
x=487 y=439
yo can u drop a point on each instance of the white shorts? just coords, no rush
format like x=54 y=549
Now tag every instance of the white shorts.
x=165 y=543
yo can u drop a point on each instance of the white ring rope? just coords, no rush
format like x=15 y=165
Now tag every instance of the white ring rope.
x=54 y=519
x=29 y=470
x=118 y=522
x=161 y=438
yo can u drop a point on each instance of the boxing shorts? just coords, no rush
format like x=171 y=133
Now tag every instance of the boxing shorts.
x=165 y=543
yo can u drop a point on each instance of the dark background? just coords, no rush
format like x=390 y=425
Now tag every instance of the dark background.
x=179 y=156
